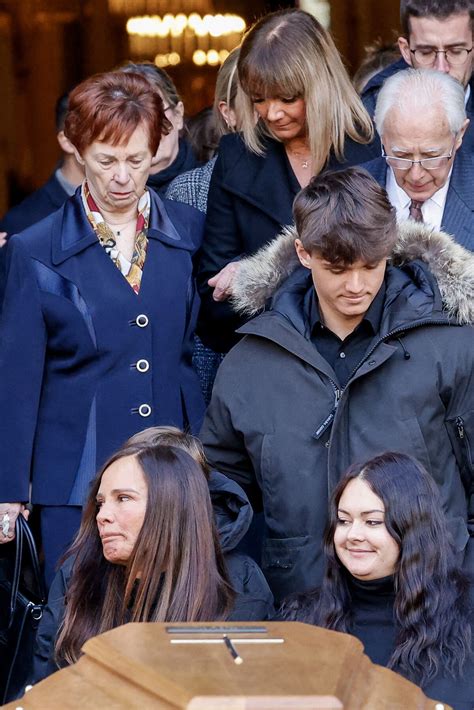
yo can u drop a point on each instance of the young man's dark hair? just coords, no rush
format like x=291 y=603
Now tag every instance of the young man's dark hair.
x=440 y=9
x=346 y=217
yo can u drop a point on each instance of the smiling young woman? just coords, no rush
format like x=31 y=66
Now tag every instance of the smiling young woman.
x=392 y=580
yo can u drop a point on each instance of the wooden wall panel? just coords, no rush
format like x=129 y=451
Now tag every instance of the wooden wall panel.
x=357 y=23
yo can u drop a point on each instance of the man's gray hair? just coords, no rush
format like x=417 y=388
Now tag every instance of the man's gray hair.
x=415 y=90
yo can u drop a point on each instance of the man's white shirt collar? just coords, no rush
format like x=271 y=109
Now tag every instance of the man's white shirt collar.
x=432 y=209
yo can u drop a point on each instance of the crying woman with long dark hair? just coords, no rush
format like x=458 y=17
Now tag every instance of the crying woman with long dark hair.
x=392 y=579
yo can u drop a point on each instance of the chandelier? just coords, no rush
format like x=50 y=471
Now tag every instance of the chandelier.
x=172 y=39
x=176 y=32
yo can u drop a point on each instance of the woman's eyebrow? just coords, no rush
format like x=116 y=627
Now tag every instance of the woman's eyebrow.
x=124 y=490
x=115 y=491
x=364 y=512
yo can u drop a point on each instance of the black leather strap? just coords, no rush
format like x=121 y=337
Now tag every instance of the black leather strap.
x=24 y=538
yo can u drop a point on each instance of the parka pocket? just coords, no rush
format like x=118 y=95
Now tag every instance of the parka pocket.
x=461 y=434
x=291 y=564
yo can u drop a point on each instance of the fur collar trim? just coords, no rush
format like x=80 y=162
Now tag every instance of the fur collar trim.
x=260 y=275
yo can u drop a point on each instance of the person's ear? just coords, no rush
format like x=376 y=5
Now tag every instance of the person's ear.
x=178 y=112
x=77 y=155
x=65 y=144
x=461 y=133
x=303 y=255
x=228 y=114
x=404 y=48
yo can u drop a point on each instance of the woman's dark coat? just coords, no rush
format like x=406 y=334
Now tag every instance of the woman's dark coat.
x=250 y=200
x=70 y=340
x=281 y=425
x=253 y=601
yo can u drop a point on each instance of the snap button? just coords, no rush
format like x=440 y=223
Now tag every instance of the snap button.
x=342 y=355
x=142 y=365
x=144 y=410
x=142 y=320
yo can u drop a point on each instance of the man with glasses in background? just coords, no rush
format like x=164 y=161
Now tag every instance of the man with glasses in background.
x=437 y=34
x=428 y=173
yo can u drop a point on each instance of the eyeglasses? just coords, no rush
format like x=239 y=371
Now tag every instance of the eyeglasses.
x=455 y=56
x=427 y=163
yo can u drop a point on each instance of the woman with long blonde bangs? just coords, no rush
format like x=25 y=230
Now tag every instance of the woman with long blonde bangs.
x=333 y=108
x=299 y=116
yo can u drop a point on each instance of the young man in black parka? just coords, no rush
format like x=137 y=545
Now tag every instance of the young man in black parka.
x=365 y=345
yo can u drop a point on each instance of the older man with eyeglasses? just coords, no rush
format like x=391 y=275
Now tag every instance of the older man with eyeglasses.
x=421 y=120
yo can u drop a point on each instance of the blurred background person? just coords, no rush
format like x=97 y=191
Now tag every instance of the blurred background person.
x=147 y=550
x=378 y=56
x=93 y=350
x=307 y=120
x=392 y=581
x=62 y=184
x=202 y=134
x=192 y=187
x=175 y=153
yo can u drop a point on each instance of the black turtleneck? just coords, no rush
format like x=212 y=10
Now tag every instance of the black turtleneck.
x=373 y=619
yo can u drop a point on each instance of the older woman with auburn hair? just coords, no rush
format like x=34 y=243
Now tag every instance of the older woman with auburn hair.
x=392 y=579
x=309 y=116
x=147 y=550
x=97 y=325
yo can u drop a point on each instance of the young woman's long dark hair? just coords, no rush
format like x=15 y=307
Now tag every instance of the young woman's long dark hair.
x=431 y=592
x=176 y=571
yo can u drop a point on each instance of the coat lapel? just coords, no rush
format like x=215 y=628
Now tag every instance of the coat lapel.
x=72 y=232
x=263 y=182
x=458 y=215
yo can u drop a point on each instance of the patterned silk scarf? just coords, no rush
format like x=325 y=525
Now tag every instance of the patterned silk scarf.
x=132 y=270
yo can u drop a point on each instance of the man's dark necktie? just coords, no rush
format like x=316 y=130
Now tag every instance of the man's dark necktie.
x=415 y=211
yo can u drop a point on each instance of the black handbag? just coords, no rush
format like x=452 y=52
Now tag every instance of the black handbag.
x=22 y=599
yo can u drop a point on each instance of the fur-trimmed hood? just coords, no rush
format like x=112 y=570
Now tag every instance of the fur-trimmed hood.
x=260 y=275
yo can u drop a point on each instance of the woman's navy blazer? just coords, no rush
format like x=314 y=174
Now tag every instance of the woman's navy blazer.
x=84 y=361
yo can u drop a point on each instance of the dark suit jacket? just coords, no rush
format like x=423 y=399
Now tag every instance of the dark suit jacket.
x=250 y=199
x=70 y=341
x=39 y=204
x=458 y=215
